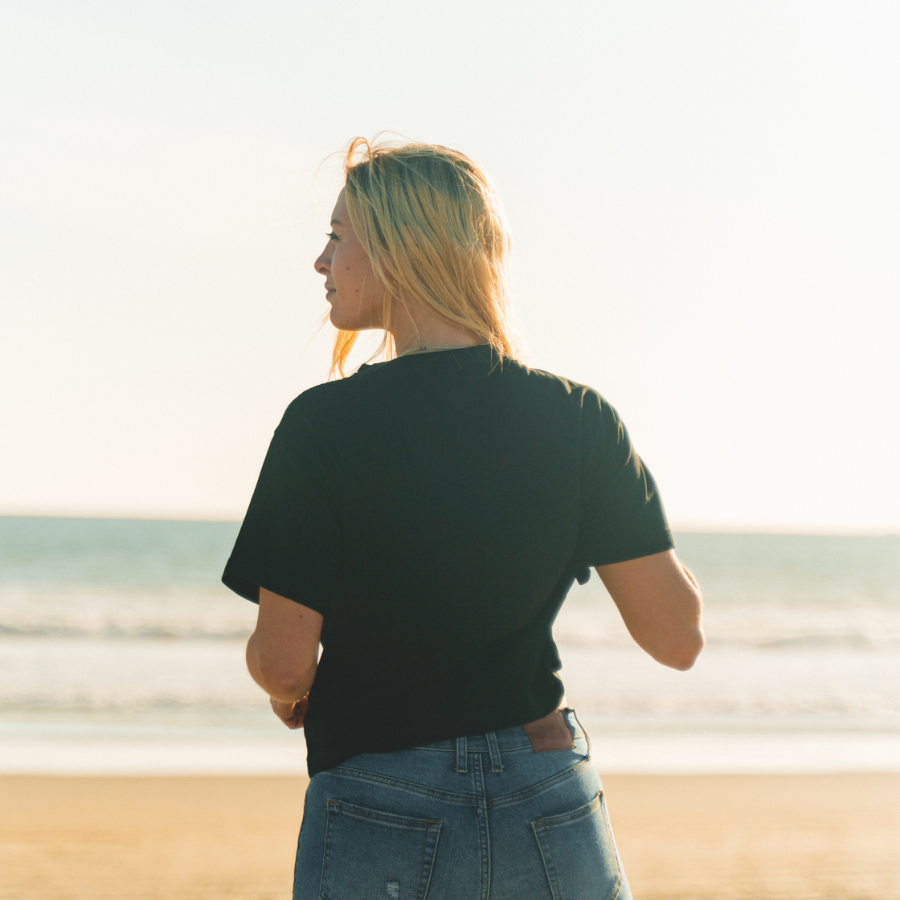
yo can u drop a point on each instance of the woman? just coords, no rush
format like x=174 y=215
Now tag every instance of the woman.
x=423 y=519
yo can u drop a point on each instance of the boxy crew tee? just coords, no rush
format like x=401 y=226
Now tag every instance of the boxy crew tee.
x=436 y=509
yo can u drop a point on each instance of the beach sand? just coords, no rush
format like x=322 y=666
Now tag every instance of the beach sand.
x=680 y=836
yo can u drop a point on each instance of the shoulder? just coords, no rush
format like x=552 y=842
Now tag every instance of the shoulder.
x=598 y=422
x=304 y=427
x=588 y=400
x=317 y=404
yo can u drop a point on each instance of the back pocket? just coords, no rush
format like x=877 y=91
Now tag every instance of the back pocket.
x=580 y=856
x=375 y=854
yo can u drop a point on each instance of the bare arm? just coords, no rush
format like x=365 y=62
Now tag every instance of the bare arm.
x=661 y=605
x=283 y=651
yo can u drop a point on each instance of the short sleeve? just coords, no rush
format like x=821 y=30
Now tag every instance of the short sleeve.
x=622 y=512
x=289 y=541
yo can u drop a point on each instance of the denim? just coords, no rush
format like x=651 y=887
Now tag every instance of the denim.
x=483 y=817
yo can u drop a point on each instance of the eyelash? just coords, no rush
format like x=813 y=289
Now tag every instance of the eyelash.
x=331 y=236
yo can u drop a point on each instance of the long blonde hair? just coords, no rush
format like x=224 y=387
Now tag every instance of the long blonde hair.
x=431 y=223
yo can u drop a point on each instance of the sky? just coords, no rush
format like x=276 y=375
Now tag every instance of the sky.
x=704 y=199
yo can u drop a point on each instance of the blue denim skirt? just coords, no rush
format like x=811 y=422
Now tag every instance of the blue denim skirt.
x=484 y=817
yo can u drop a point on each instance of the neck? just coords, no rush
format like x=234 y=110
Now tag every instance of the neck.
x=444 y=338
x=412 y=351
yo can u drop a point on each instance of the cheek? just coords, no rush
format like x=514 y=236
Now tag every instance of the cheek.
x=348 y=271
x=362 y=280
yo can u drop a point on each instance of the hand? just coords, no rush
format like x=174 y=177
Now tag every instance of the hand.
x=290 y=713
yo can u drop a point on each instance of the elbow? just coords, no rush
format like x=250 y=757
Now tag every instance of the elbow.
x=285 y=679
x=288 y=686
x=683 y=655
x=285 y=682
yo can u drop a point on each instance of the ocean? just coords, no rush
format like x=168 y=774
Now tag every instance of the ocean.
x=121 y=652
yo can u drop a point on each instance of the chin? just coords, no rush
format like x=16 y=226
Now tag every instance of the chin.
x=339 y=321
x=345 y=323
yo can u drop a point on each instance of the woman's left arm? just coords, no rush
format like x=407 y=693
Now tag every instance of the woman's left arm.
x=283 y=651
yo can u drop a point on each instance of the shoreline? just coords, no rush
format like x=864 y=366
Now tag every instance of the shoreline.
x=38 y=746
x=697 y=836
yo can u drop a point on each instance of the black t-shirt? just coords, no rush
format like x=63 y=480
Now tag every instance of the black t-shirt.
x=436 y=509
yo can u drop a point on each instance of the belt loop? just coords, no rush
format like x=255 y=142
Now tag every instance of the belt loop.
x=461 y=755
x=587 y=737
x=494 y=748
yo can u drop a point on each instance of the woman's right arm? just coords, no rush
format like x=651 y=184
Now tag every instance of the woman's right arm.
x=661 y=605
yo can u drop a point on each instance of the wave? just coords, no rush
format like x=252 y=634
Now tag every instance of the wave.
x=786 y=642
x=214 y=614
x=799 y=628
x=117 y=614
x=851 y=706
x=793 y=638
x=35 y=703
x=124 y=632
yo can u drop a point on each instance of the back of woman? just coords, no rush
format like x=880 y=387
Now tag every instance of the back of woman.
x=423 y=519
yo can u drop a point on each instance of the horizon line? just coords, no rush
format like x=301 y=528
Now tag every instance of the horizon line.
x=748 y=528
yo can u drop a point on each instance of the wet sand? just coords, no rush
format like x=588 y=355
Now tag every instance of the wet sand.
x=703 y=837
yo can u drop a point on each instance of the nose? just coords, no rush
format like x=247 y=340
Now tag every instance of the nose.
x=323 y=264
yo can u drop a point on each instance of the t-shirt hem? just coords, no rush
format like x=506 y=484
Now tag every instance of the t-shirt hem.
x=661 y=546
x=319 y=761
x=241 y=586
x=248 y=588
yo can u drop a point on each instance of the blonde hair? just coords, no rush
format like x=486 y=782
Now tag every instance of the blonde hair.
x=431 y=223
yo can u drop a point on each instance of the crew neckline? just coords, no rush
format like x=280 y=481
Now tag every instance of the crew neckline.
x=444 y=350
x=429 y=353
